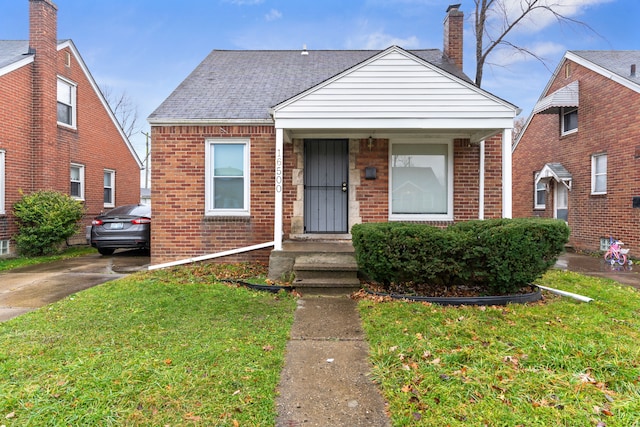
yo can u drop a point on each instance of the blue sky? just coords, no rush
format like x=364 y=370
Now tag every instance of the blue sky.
x=145 y=48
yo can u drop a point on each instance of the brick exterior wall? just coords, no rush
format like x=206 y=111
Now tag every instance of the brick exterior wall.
x=607 y=123
x=38 y=152
x=181 y=229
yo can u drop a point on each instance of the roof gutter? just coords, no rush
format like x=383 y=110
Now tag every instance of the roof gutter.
x=211 y=256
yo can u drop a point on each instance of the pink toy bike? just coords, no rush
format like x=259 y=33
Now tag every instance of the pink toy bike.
x=616 y=254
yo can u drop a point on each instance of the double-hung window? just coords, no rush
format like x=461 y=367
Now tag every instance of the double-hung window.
x=541 y=195
x=77 y=181
x=66 y=103
x=421 y=181
x=569 y=120
x=599 y=174
x=227 y=177
x=109 y=188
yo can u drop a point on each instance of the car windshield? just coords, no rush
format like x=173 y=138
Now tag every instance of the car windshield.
x=133 y=210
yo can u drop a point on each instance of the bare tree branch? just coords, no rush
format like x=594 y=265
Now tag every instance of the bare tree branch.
x=487 y=39
x=124 y=109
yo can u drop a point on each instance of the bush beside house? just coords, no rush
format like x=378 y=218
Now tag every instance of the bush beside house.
x=499 y=256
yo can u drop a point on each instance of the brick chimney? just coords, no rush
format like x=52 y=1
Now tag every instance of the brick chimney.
x=453 y=28
x=43 y=43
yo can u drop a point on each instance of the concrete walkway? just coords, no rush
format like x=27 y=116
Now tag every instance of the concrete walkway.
x=325 y=381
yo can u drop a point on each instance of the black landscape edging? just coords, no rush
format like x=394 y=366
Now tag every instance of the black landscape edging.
x=488 y=300
x=274 y=289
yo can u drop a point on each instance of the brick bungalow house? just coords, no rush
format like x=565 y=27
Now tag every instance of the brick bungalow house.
x=258 y=149
x=578 y=155
x=56 y=130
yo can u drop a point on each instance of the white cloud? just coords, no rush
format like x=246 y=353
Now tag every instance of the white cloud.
x=541 y=18
x=380 y=40
x=506 y=56
x=273 y=15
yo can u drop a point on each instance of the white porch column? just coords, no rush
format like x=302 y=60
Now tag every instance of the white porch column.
x=506 y=173
x=481 y=186
x=278 y=214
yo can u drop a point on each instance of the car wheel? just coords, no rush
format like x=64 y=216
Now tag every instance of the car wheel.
x=106 y=251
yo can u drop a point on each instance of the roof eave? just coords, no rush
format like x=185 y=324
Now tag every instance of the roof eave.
x=165 y=121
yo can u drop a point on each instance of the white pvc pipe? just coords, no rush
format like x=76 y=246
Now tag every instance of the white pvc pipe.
x=566 y=294
x=211 y=256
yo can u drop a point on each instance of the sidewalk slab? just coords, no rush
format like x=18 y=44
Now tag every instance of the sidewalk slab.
x=326 y=378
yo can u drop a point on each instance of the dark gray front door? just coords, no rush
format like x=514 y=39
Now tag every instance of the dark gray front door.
x=326 y=171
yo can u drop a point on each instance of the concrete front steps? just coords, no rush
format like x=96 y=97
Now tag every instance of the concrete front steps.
x=319 y=267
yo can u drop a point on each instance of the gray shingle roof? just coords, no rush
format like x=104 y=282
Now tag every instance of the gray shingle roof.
x=244 y=85
x=12 y=51
x=616 y=61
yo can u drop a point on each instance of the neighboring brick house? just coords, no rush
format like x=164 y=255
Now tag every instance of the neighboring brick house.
x=259 y=147
x=56 y=130
x=578 y=156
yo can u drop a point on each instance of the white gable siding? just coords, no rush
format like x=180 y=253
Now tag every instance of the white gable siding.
x=398 y=89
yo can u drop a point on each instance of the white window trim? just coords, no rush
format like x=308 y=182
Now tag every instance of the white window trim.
x=423 y=217
x=2 y=182
x=112 y=204
x=536 y=205
x=74 y=102
x=209 y=210
x=594 y=174
x=81 y=167
x=563 y=112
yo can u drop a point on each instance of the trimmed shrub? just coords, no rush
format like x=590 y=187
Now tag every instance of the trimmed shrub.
x=45 y=219
x=499 y=256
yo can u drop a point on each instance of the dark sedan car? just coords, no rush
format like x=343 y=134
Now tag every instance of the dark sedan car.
x=126 y=226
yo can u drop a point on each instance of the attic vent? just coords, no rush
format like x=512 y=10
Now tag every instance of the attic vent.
x=304 y=52
x=633 y=70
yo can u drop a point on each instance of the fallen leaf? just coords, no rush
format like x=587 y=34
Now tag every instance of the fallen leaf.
x=189 y=416
x=10 y=415
x=267 y=348
x=168 y=361
x=235 y=423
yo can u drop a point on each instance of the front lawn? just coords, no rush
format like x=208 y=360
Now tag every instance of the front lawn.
x=163 y=348
x=558 y=362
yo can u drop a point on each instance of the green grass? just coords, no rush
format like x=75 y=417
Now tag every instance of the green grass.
x=11 y=263
x=556 y=363
x=163 y=348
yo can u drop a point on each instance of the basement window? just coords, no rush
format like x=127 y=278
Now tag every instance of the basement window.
x=4 y=247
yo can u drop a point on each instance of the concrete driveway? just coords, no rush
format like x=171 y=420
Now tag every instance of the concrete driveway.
x=28 y=288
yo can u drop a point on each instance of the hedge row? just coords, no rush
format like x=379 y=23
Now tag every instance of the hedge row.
x=500 y=255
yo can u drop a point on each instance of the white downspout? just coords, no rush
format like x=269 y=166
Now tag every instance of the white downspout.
x=278 y=214
x=481 y=186
x=506 y=173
